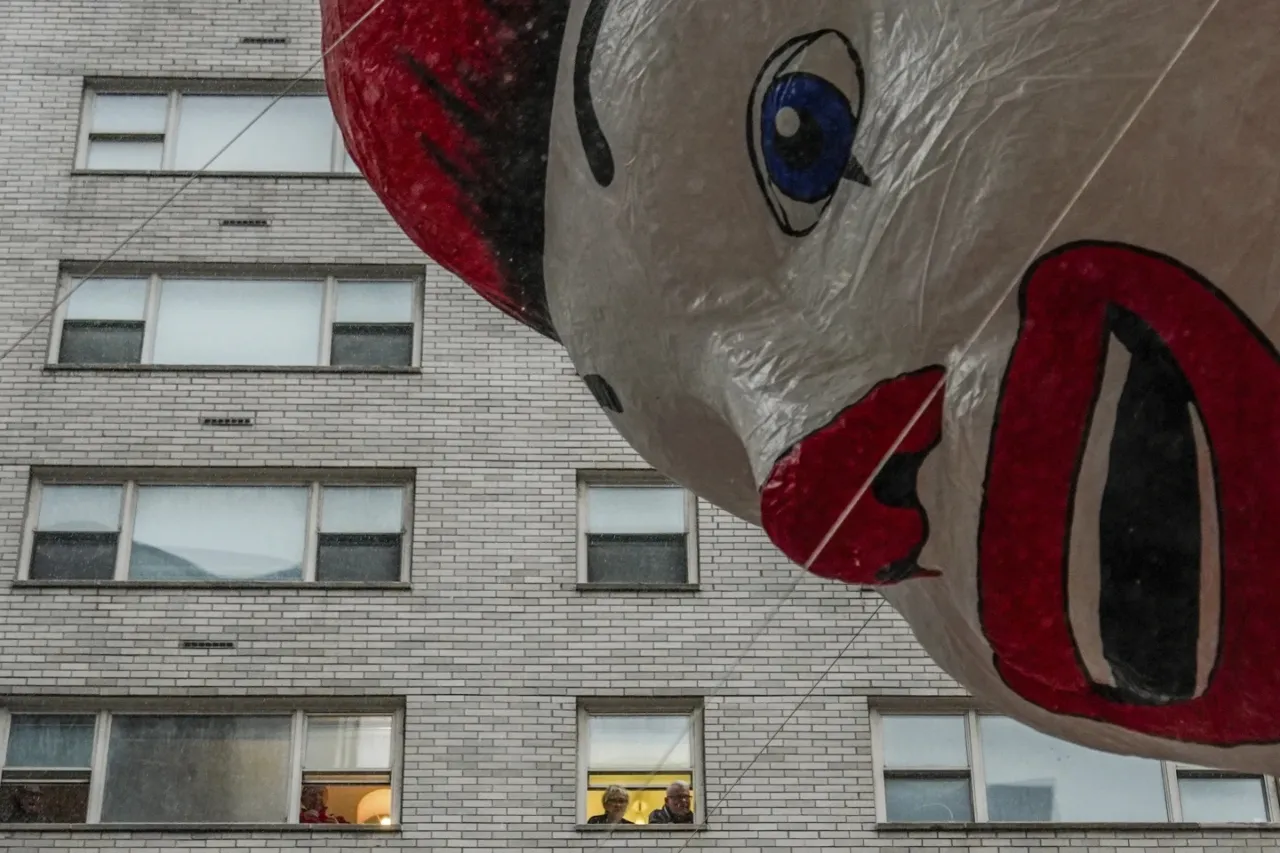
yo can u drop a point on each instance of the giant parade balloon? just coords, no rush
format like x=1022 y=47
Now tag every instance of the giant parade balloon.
x=974 y=303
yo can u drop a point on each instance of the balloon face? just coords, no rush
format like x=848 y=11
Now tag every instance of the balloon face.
x=974 y=303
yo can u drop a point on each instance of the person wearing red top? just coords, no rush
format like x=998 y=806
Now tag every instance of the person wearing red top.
x=315 y=808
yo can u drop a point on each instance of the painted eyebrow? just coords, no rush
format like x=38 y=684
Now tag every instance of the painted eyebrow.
x=599 y=156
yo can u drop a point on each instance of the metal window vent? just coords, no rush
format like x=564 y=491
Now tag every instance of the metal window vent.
x=245 y=223
x=206 y=644
x=213 y=421
x=264 y=40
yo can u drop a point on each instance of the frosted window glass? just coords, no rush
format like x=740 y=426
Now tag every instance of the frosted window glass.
x=79 y=508
x=219 y=533
x=213 y=769
x=348 y=743
x=239 y=322
x=638 y=742
x=124 y=156
x=362 y=510
x=1223 y=800
x=613 y=509
x=375 y=302
x=130 y=113
x=924 y=742
x=295 y=135
x=108 y=299
x=1033 y=777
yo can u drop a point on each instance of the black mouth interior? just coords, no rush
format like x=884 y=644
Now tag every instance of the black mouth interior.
x=1150 y=526
x=896 y=486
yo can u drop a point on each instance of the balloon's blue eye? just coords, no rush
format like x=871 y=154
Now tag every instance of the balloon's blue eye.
x=802 y=126
x=807 y=128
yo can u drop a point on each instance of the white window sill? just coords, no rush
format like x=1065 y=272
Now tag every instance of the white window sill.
x=174 y=173
x=1046 y=826
x=641 y=827
x=226 y=368
x=346 y=586
x=219 y=828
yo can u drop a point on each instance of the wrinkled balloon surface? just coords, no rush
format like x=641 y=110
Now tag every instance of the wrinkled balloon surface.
x=767 y=233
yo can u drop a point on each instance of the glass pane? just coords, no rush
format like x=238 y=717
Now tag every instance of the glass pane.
x=219 y=533
x=46 y=802
x=614 y=509
x=358 y=558
x=1223 y=800
x=362 y=509
x=122 y=156
x=74 y=556
x=372 y=346
x=50 y=740
x=221 y=769
x=295 y=135
x=617 y=742
x=646 y=794
x=375 y=302
x=348 y=743
x=129 y=113
x=928 y=800
x=637 y=559
x=108 y=299
x=930 y=742
x=80 y=508
x=92 y=342
x=1033 y=777
x=239 y=322
x=346 y=803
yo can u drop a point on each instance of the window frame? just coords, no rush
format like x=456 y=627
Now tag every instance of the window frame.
x=588 y=479
x=976 y=774
x=329 y=278
x=693 y=707
x=297 y=711
x=132 y=480
x=174 y=91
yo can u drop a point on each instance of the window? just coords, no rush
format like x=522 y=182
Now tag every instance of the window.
x=642 y=748
x=962 y=767
x=206 y=767
x=152 y=530
x=130 y=129
x=238 y=322
x=636 y=531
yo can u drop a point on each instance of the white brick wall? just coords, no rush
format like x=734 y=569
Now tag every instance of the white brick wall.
x=493 y=644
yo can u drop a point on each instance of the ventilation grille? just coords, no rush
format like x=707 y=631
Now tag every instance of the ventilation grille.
x=245 y=223
x=264 y=40
x=241 y=421
x=206 y=644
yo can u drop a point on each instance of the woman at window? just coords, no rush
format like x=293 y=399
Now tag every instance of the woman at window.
x=615 y=800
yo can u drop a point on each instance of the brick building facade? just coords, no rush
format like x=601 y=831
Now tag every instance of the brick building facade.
x=492 y=651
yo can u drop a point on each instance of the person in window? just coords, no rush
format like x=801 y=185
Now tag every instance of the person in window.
x=26 y=805
x=315 y=806
x=615 y=800
x=677 y=808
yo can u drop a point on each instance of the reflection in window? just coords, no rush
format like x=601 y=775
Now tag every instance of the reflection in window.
x=197 y=768
x=77 y=533
x=238 y=322
x=46 y=771
x=156 y=131
x=346 y=770
x=643 y=753
x=1026 y=776
x=219 y=533
x=637 y=534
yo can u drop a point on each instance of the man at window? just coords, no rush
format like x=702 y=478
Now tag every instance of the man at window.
x=315 y=806
x=615 y=801
x=677 y=808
